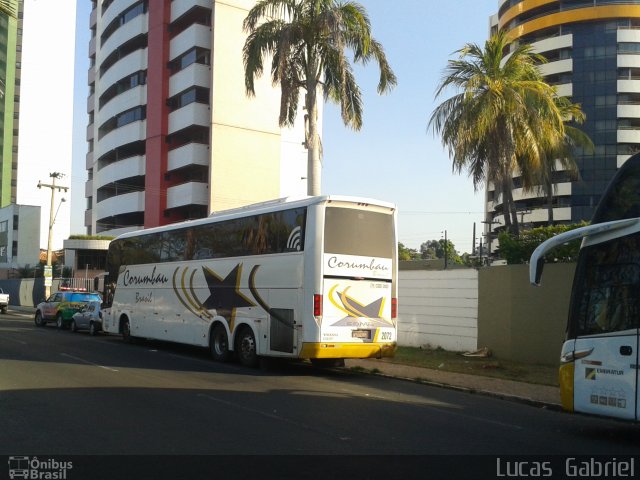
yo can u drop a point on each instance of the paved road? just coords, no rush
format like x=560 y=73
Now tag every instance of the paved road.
x=63 y=393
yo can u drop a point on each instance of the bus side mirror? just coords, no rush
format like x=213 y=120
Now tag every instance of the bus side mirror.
x=539 y=268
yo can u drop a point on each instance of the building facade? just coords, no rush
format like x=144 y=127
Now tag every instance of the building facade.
x=172 y=135
x=10 y=66
x=593 y=53
x=19 y=238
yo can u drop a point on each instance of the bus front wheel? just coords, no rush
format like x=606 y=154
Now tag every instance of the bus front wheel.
x=219 y=343
x=125 y=328
x=246 y=348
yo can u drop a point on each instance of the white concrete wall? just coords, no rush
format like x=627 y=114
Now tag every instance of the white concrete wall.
x=438 y=308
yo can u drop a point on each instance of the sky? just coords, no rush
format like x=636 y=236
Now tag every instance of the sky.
x=47 y=109
x=393 y=157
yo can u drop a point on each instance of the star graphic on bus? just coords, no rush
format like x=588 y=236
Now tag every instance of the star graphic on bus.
x=354 y=309
x=225 y=294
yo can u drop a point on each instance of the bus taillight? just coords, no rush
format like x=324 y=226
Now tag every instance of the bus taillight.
x=317 y=305
x=394 y=308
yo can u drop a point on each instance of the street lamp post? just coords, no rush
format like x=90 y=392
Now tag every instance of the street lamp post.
x=52 y=219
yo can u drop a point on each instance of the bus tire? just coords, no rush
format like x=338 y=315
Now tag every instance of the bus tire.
x=125 y=329
x=246 y=349
x=219 y=343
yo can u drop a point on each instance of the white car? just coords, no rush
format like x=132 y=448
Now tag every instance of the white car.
x=88 y=318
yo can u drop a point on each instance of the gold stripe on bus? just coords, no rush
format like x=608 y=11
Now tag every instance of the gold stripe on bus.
x=201 y=307
x=573 y=16
x=194 y=307
x=177 y=292
x=335 y=304
x=347 y=350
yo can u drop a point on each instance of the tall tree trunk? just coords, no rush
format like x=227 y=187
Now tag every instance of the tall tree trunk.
x=549 y=191
x=509 y=207
x=314 y=166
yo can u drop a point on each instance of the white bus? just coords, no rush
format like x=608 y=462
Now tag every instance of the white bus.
x=314 y=278
x=599 y=359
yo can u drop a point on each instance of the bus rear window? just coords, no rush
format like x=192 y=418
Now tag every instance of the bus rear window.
x=359 y=232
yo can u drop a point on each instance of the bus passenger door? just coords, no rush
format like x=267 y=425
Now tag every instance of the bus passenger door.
x=606 y=354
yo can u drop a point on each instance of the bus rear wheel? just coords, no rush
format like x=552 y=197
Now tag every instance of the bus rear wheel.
x=246 y=348
x=219 y=343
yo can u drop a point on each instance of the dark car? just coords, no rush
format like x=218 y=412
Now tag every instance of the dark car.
x=61 y=306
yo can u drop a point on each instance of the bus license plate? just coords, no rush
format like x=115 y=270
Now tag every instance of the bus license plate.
x=364 y=334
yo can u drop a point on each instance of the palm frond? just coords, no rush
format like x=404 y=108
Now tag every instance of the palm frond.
x=9 y=7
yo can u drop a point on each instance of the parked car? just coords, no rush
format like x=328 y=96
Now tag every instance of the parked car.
x=4 y=301
x=88 y=318
x=61 y=306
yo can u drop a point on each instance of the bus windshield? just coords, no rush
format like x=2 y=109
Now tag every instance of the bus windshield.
x=358 y=232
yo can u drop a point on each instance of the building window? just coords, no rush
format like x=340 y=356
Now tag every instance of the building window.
x=191 y=95
x=129 y=14
x=192 y=134
x=122 y=85
x=130 y=46
x=194 y=55
x=195 y=16
x=129 y=116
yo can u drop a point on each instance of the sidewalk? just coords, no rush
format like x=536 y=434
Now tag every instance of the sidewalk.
x=539 y=395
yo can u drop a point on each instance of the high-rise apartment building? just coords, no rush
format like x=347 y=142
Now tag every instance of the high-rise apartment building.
x=171 y=134
x=593 y=52
x=10 y=57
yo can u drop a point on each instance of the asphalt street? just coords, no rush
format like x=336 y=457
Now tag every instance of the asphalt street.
x=64 y=393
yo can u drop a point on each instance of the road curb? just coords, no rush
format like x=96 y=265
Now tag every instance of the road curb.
x=504 y=396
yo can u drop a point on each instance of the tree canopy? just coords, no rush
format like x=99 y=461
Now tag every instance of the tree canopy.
x=308 y=41
x=503 y=118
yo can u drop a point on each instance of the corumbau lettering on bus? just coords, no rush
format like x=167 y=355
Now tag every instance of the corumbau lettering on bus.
x=150 y=279
x=334 y=262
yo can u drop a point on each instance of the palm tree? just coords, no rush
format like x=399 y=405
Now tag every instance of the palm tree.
x=559 y=152
x=495 y=125
x=307 y=40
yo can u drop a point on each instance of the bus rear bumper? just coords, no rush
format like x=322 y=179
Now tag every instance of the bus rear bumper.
x=348 y=350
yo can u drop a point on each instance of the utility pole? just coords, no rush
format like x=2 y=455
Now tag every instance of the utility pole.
x=473 y=244
x=445 y=249
x=53 y=187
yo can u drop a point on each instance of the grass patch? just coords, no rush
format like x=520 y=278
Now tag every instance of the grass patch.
x=439 y=359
